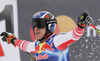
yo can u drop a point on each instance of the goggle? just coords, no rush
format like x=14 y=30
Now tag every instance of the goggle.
x=41 y=22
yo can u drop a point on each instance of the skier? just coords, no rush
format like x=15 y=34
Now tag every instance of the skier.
x=49 y=46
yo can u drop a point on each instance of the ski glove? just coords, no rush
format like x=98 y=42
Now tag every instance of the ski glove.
x=84 y=20
x=8 y=37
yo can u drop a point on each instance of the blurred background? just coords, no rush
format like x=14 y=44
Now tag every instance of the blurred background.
x=15 y=17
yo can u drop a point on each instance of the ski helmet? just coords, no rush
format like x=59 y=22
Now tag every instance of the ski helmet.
x=43 y=19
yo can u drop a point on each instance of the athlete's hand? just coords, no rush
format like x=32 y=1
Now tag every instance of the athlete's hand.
x=8 y=37
x=84 y=20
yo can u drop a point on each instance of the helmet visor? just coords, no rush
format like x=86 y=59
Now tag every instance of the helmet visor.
x=39 y=23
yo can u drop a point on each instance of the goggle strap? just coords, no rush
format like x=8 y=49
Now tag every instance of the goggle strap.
x=52 y=21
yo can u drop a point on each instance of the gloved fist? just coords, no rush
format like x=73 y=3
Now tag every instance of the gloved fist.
x=8 y=37
x=84 y=20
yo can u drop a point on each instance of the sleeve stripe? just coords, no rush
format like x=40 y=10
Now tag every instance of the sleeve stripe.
x=22 y=44
x=19 y=43
x=77 y=32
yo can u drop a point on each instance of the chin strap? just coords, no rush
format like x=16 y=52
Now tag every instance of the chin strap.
x=44 y=37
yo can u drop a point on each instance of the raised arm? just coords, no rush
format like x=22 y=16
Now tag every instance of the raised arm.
x=62 y=40
x=22 y=44
x=25 y=45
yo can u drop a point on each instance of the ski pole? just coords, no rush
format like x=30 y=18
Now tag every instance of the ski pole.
x=93 y=25
x=95 y=28
x=31 y=56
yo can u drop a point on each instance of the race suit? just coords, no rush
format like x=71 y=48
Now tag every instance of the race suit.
x=54 y=48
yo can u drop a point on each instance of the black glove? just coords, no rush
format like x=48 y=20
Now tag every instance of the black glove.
x=84 y=20
x=8 y=37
